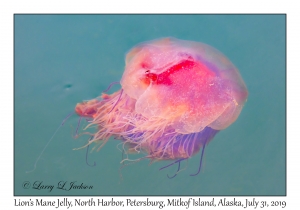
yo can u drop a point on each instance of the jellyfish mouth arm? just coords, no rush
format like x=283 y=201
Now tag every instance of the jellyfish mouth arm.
x=88 y=109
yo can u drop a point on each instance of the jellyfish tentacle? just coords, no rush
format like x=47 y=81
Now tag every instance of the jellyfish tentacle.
x=201 y=157
x=62 y=123
x=66 y=118
x=86 y=157
x=78 y=124
x=179 y=160
x=117 y=101
x=130 y=163
x=175 y=173
x=110 y=85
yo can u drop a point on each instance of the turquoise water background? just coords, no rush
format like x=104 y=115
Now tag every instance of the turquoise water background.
x=60 y=60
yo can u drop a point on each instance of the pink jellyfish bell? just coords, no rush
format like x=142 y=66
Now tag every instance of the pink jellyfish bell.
x=175 y=96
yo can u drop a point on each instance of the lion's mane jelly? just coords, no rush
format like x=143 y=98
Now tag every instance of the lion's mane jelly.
x=175 y=96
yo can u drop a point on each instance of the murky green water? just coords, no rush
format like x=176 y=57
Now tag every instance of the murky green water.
x=61 y=60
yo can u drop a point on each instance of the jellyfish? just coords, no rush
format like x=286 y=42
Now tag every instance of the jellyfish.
x=175 y=96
